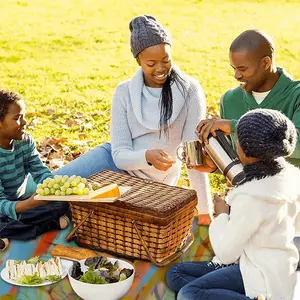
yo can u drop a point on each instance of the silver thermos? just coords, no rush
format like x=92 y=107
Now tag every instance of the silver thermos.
x=226 y=159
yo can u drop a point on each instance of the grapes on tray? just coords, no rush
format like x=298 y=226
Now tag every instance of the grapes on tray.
x=64 y=186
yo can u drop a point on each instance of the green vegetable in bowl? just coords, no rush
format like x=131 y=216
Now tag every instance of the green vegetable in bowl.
x=122 y=277
x=91 y=276
x=101 y=271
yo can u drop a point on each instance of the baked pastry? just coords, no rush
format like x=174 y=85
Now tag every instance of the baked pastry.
x=72 y=253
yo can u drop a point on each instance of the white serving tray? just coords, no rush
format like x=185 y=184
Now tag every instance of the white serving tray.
x=83 y=198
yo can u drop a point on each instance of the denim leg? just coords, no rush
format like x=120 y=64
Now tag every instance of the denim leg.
x=33 y=222
x=215 y=294
x=222 y=284
x=183 y=273
x=41 y=215
x=94 y=161
x=297 y=243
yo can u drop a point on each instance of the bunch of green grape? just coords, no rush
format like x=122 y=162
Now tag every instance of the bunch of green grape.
x=64 y=186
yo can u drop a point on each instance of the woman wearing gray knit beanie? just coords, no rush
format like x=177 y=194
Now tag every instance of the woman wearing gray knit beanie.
x=252 y=235
x=152 y=114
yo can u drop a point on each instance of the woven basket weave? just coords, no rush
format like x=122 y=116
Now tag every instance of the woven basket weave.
x=151 y=221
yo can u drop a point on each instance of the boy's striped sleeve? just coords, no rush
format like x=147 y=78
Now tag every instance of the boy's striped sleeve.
x=37 y=169
x=7 y=207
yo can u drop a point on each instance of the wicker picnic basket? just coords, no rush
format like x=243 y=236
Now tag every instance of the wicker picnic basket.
x=151 y=221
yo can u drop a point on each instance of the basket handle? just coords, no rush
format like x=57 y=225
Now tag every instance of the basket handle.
x=71 y=235
x=169 y=259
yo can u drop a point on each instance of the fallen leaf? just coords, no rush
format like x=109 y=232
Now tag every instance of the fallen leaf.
x=33 y=123
x=82 y=136
x=52 y=141
x=78 y=121
x=56 y=163
x=88 y=125
x=70 y=123
x=50 y=111
x=33 y=114
x=78 y=115
x=55 y=153
x=79 y=143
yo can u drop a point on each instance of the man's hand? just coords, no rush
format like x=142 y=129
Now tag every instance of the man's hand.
x=220 y=206
x=205 y=127
x=159 y=159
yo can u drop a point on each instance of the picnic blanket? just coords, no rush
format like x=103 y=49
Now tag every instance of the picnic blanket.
x=149 y=282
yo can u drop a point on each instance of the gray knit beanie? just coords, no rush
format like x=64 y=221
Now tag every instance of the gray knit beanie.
x=266 y=134
x=146 y=32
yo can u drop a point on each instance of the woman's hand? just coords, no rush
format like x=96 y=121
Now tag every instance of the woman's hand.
x=159 y=159
x=220 y=206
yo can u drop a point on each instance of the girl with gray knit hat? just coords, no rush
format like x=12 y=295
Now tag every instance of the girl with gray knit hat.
x=152 y=114
x=253 y=240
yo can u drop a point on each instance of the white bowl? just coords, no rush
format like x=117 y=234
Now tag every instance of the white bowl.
x=110 y=291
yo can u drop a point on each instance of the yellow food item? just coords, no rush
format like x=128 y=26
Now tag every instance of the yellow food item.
x=108 y=191
x=75 y=253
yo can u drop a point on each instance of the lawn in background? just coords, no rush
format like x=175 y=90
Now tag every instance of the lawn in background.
x=68 y=56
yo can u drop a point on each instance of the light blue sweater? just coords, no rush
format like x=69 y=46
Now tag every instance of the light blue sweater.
x=135 y=129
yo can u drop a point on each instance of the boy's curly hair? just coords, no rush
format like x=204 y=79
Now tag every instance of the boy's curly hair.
x=6 y=99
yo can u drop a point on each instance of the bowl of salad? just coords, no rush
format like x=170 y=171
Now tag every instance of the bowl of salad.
x=98 y=276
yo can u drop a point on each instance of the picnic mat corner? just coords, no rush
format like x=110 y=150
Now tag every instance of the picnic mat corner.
x=149 y=282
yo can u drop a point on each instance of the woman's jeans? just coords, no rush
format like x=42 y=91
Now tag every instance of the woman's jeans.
x=206 y=280
x=94 y=161
x=35 y=221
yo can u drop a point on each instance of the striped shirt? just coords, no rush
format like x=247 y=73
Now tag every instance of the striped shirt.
x=15 y=165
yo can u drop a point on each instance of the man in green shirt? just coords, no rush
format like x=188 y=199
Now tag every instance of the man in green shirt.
x=262 y=85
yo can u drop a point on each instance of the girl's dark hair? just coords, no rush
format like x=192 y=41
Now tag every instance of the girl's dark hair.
x=166 y=100
x=6 y=99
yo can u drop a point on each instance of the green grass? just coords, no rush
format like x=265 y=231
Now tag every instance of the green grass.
x=69 y=54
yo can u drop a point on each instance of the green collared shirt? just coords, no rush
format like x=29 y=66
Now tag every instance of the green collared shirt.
x=284 y=96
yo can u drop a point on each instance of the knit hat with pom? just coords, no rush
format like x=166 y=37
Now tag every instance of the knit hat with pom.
x=266 y=134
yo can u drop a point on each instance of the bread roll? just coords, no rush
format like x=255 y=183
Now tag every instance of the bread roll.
x=73 y=253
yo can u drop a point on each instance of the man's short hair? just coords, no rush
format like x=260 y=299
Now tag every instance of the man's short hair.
x=252 y=40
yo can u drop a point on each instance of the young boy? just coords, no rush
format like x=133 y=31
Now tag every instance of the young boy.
x=22 y=217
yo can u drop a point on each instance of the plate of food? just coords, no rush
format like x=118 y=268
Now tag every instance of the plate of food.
x=35 y=271
x=76 y=188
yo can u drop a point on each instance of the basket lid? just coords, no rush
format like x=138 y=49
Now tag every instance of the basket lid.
x=145 y=195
